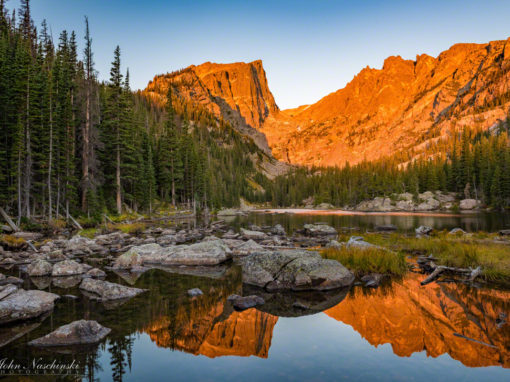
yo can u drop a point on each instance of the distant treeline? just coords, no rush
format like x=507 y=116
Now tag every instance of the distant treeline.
x=471 y=164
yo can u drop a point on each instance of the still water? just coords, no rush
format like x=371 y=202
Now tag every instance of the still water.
x=401 y=331
x=405 y=221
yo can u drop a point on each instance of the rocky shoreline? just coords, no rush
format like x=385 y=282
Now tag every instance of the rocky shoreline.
x=272 y=261
x=425 y=202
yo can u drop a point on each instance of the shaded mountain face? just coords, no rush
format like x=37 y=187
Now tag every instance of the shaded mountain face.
x=405 y=105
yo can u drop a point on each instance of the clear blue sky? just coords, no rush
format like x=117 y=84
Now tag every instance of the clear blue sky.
x=309 y=48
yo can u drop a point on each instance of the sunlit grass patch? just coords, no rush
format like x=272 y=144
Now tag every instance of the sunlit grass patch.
x=458 y=250
x=131 y=228
x=362 y=261
x=12 y=242
x=88 y=232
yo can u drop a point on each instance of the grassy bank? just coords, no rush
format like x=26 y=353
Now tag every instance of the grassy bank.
x=471 y=250
x=369 y=260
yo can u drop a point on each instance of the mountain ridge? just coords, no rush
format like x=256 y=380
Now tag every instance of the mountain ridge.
x=405 y=105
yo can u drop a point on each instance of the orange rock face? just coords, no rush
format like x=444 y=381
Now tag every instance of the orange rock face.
x=406 y=104
x=238 y=92
x=414 y=318
x=401 y=106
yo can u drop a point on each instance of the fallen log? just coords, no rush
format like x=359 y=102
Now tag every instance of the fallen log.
x=9 y=220
x=439 y=269
x=434 y=275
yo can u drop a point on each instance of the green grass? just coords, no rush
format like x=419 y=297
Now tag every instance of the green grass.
x=464 y=251
x=131 y=228
x=88 y=232
x=12 y=242
x=370 y=260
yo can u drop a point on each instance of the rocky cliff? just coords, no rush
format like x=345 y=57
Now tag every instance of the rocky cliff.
x=405 y=105
x=238 y=92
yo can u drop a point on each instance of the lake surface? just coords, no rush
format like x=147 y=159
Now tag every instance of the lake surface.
x=405 y=221
x=401 y=331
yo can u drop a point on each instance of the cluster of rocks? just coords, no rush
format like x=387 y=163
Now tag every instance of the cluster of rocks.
x=271 y=260
x=427 y=201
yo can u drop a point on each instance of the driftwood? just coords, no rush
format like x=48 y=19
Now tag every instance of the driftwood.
x=439 y=269
x=9 y=220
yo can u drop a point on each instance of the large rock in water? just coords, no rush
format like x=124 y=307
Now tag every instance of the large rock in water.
x=253 y=235
x=294 y=270
x=210 y=252
x=68 y=268
x=128 y=260
x=40 y=268
x=23 y=304
x=205 y=253
x=80 y=332
x=150 y=253
x=319 y=230
x=105 y=290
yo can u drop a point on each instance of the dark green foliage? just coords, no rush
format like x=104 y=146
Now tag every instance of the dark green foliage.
x=69 y=144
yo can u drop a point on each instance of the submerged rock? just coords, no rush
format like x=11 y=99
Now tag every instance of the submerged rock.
x=22 y=305
x=39 y=268
x=105 y=290
x=294 y=270
x=243 y=303
x=319 y=230
x=10 y=280
x=385 y=228
x=80 y=332
x=296 y=304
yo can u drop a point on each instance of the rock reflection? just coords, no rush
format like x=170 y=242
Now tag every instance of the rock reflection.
x=413 y=318
x=208 y=325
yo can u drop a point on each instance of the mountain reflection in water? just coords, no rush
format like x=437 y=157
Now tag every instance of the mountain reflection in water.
x=409 y=317
x=413 y=318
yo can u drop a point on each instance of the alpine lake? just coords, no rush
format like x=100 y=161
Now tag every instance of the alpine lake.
x=401 y=331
